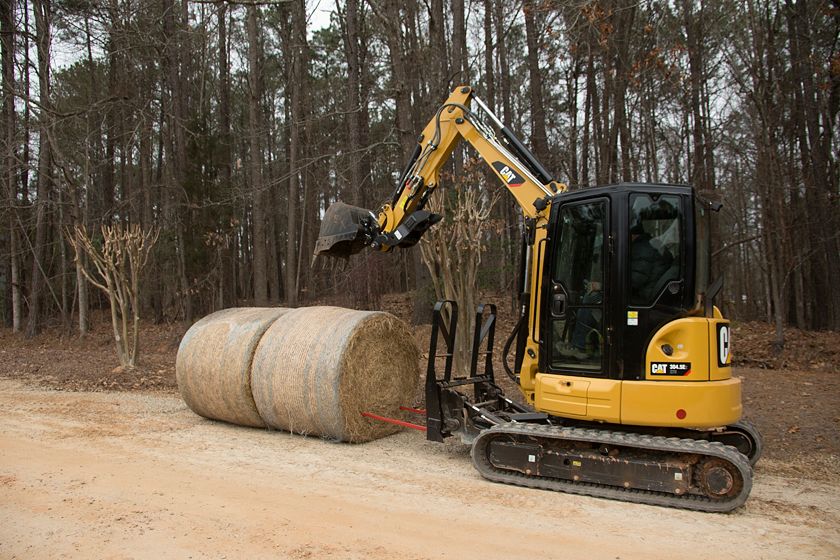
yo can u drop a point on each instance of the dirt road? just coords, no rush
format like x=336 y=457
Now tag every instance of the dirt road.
x=119 y=475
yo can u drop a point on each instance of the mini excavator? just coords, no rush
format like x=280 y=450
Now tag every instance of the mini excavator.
x=623 y=360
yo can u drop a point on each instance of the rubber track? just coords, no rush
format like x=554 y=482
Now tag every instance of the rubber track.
x=752 y=432
x=640 y=441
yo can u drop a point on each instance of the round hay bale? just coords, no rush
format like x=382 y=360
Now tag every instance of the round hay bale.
x=213 y=366
x=318 y=368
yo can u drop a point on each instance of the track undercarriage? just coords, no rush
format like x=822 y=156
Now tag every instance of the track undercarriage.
x=690 y=469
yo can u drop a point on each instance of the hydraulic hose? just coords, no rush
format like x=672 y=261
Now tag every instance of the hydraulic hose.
x=506 y=350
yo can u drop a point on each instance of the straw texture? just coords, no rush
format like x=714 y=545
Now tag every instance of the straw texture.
x=317 y=369
x=213 y=366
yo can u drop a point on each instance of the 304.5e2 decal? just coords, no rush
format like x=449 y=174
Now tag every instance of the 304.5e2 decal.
x=679 y=369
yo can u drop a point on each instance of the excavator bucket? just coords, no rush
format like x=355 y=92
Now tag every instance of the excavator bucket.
x=345 y=230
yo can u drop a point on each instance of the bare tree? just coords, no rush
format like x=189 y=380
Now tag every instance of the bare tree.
x=119 y=259
x=452 y=249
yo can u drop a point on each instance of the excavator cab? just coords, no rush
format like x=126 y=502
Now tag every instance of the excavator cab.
x=620 y=332
x=619 y=263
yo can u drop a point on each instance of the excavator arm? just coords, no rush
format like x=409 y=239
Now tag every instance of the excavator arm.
x=346 y=229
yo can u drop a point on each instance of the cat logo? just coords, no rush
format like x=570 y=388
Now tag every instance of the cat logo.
x=511 y=177
x=723 y=344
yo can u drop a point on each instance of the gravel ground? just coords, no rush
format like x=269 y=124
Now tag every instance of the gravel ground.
x=137 y=475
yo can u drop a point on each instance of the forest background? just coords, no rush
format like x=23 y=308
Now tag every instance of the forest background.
x=229 y=126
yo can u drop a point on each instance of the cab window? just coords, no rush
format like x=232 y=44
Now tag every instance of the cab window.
x=655 y=247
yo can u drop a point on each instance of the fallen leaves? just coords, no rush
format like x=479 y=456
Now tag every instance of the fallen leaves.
x=752 y=345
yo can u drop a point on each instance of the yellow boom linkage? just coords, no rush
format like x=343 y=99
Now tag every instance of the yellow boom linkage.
x=453 y=122
x=403 y=221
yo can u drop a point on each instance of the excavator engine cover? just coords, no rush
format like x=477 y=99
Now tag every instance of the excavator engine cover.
x=345 y=230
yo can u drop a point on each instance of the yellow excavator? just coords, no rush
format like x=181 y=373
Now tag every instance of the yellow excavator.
x=623 y=360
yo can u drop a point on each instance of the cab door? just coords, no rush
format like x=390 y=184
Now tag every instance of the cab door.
x=577 y=288
x=577 y=280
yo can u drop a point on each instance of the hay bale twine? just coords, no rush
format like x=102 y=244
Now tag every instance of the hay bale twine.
x=318 y=368
x=213 y=366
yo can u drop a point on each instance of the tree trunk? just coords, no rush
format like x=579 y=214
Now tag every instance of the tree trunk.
x=820 y=190
x=9 y=176
x=43 y=16
x=390 y=17
x=625 y=25
x=255 y=134
x=295 y=48
x=489 y=60
x=511 y=213
x=539 y=139
x=228 y=292
x=587 y=124
x=440 y=85
x=504 y=66
x=402 y=94
x=25 y=163
x=63 y=268
x=353 y=103
x=148 y=201
x=572 y=89
x=460 y=64
x=695 y=44
x=111 y=117
x=176 y=163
